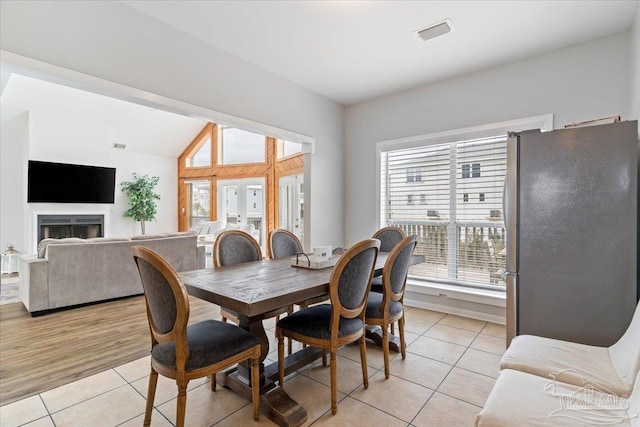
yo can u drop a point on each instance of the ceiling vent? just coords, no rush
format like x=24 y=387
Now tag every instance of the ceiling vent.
x=435 y=30
x=120 y=146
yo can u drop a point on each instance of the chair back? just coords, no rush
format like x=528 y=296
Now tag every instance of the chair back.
x=235 y=247
x=351 y=279
x=283 y=243
x=389 y=237
x=166 y=300
x=396 y=268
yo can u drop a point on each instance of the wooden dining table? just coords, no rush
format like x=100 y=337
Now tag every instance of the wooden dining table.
x=256 y=291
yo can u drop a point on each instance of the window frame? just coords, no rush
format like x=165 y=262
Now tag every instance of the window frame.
x=543 y=122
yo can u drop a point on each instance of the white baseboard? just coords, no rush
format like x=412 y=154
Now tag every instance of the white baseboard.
x=443 y=308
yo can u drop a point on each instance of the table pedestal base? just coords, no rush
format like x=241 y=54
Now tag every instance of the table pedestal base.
x=275 y=403
x=374 y=333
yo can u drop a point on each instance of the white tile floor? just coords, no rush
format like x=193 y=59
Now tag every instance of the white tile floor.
x=451 y=365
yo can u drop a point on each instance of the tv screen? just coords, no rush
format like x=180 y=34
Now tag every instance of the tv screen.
x=67 y=183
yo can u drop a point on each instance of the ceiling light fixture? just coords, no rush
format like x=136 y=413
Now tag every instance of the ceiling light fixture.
x=120 y=146
x=435 y=30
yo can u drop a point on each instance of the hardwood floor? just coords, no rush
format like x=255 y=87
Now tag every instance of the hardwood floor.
x=41 y=353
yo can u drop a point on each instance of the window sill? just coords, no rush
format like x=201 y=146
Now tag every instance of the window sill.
x=480 y=296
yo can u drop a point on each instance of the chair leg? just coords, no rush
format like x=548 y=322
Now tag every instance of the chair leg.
x=403 y=344
x=182 y=403
x=212 y=377
x=281 y=359
x=255 y=386
x=324 y=357
x=363 y=361
x=151 y=394
x=393 y=329
x=334 y=382
x=385 y=350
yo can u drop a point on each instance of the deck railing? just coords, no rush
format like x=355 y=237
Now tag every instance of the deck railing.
x=477 y=257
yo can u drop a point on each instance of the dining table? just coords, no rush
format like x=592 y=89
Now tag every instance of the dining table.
x=257 y=291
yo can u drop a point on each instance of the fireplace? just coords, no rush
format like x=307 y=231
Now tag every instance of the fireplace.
x=61 y=226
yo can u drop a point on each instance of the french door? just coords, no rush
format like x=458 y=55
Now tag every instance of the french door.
x=242 y=202
x=291 y=201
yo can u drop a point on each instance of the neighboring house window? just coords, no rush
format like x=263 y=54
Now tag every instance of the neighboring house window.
x=414 y=175
x=409 y=199
x=423 y=199
x=465 y=197
x=471 y=170
x=466 y=171
x=481 y=198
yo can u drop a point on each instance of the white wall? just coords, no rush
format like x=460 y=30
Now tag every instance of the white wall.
x=14 y=134
x=113 y=42
x=577 y=83
x=634 y=102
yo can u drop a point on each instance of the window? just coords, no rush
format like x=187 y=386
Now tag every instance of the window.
x=414 y=175
x=470 y=170
x=454 y=241
x=286 y=148
x=466 y=171
x=475 y=170
x=239 y=146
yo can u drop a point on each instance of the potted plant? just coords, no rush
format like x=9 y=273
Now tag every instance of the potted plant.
x=142 y=198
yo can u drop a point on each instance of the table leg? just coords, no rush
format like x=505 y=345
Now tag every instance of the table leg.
x=274 y=401
x=374 y=333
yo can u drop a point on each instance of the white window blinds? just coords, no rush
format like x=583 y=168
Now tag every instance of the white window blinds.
x=450 y=196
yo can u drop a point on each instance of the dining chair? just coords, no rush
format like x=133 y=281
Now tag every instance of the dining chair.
x=331 y=326
x=386 y=308
x=389 y=237
x=234 y=247
x=283 y=243
x=184 y=352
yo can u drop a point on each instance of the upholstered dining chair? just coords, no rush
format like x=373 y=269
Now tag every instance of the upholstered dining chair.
x=234 y=247
x=184 y=352
x=331 y=326
x=283 y=243
x=389 y=237
x=383 y=309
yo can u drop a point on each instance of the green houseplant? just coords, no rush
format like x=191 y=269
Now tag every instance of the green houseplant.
x=142 y=198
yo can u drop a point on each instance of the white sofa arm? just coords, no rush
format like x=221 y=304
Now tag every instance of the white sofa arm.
x=34 y=282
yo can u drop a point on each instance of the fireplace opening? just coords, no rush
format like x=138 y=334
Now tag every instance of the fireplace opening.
x=62 y=226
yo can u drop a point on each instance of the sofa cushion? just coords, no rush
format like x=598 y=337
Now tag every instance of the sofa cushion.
x=42 y=246
x=149 y=236
x=518 y=398
x=564 y=361
x=109 y=239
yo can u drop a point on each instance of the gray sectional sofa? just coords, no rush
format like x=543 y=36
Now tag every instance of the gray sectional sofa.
x=70 y=272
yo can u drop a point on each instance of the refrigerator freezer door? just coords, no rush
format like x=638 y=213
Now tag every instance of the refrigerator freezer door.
x=577 y=233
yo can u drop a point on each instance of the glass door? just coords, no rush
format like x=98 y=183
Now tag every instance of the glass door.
x=291 y=201
x=241 y=204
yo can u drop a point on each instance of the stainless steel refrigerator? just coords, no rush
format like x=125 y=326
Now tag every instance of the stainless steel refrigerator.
x=571 y=226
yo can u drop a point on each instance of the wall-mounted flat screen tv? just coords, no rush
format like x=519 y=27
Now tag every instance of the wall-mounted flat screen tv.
x=66 y=183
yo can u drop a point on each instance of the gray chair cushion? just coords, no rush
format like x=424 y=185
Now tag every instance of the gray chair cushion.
x=388 y=239
x=315 y=322
x=159 y=296
x=283 y=245
x=210 y=342
x=236 y=249
x=374 y=306
x=354 y=280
